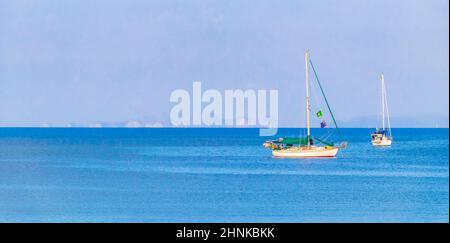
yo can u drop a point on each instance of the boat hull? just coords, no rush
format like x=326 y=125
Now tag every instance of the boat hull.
x=383 y=142
x=306 y=153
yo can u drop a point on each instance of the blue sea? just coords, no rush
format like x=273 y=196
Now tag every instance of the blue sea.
x=217 y=175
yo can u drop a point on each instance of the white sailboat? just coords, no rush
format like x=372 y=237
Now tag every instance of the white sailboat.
x=303 y=147
x=306 y=152
x=383 y=136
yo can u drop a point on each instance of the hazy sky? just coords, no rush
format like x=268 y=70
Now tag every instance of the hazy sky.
x=112 y=61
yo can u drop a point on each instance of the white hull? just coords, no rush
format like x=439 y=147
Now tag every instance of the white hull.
x=383 y=142
x=312 y=152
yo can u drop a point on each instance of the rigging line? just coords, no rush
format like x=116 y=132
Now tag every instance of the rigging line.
x=325 y=138
x=318 y=106
x=378 y=116
x=379 y=109
x=319 y=101
x=327 y=134
x=324 y=142
x=325 y=98
x=301 y=127
x=316 y=100
x=302 y=131
x=387 y=110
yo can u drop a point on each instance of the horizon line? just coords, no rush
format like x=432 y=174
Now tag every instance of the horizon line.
x=211 y=127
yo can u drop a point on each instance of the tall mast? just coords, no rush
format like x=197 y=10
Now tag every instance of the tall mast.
x=387 y=108
x=307 y=100
x=382 y=99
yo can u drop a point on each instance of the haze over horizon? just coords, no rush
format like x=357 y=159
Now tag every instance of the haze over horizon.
x=95 y=63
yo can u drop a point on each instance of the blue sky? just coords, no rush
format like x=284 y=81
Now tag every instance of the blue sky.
x=112 y=61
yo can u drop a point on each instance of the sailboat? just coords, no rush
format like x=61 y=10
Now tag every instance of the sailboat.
x=383 y=136
x=305 y=147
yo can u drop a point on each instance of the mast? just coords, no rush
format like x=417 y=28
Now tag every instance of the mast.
x=307 y=100
x=382 y=99
x=387 y=109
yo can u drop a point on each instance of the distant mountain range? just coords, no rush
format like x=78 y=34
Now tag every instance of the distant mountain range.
x=359 y=122
x=412 y=122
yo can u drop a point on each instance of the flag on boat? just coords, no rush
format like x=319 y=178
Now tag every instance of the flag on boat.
x=319 y=113
x=323 y=124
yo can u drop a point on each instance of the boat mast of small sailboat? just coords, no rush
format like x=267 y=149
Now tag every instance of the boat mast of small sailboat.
x=383 y=137
x=308 y=106
x=385 y=106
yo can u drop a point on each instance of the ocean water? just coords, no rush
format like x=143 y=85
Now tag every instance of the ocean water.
x=217 y=175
